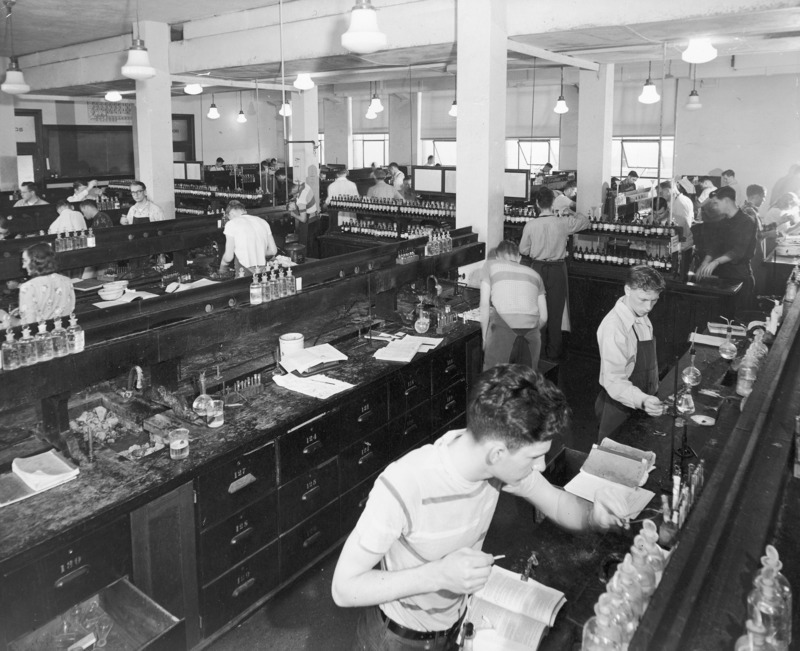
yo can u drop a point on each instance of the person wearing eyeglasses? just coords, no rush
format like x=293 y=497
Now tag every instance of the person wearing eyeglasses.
x=143 y=210
x=30 y=196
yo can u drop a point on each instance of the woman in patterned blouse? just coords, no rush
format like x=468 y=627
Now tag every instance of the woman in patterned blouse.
x=47 y=295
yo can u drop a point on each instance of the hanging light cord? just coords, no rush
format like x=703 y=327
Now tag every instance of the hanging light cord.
x=9 y=26
x=533 y=95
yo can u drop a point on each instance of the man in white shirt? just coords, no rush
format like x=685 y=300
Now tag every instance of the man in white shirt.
x=396 y=176
x=143 y=210
x=305 y=210
x=628 y=362
x=30 y=196
x=565 y=202
x=342 y=187
x=68 y=220
x=681 y=210
x=248 y=239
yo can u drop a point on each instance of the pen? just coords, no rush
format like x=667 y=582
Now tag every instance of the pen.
x=498 y=557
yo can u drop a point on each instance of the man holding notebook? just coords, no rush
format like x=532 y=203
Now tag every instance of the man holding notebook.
x=428 y=513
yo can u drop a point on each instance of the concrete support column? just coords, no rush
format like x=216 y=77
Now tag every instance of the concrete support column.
x=336 y=123
x=305 y=126
x=595 y=121
x=8 y=140
x=480 y=130
x=568 y=149
x=153 y=122
x=403 y=127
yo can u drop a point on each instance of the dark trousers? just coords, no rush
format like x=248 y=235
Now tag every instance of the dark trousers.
x=554 y=276
x=373 y=634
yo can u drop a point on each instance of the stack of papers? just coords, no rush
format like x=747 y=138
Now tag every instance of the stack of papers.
x=403 y=350
x=620 y=468
x=127 y=297
x=33 y=475
x=472 y=315
x=313 y=359
x=318 y=386
x=181 y=287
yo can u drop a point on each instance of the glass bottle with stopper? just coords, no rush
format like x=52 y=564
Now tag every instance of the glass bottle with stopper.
x=727 y=349
x=691 y=374
x=203 y=402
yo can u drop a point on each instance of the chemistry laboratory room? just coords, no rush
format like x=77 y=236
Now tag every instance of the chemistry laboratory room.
x=387 y=325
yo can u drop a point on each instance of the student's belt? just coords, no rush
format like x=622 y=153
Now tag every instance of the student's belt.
x=411 y=634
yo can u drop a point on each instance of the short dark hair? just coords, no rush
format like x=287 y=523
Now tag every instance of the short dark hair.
x=380 y=174
x=507 y=248
x=63 y=204
x=646 y=278
x=341 y=172
x=725 y=192
x=514 y=404
x=235 y=204
x=550 y=165
x=32 y=187
x=89 y=203
x=544 y=197
x=729 y=173
x=634 y=174
x=394 y=165
x=79 y=184
x=43 y=259
x=570 y=184
x=220 y=159
x=665 y=185
x=756 y=189
x=144 y=187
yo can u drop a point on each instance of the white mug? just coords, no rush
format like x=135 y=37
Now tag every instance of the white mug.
x=291 y=343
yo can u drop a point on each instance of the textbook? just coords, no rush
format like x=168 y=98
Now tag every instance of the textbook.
x=519 y=612
x=33 y=475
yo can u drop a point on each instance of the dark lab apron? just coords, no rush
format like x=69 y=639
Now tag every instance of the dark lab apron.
x=525 y=339
x=611 y=413
x=141 y=220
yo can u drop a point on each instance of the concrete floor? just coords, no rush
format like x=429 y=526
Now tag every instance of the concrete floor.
x=303 y=617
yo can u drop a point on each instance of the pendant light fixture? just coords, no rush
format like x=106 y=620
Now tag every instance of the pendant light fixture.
x=241 y=118
x=693 y=103
x=649 y=92
x=286 y=107
x=363 y=36
x=138 y=64
x=699 y=50
x=371 y=113
x=113 y=96
x=14 y=83
x=192 y=89
x=561 y=104
x=285 y=110
x=304 y=81
x=213 y=111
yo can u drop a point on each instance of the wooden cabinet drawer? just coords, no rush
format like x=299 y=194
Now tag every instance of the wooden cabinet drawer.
x=309 y=540
x=308 y=445
x=353 y=503
x=363 y=415
x=235 y=484
x=35 y=593
x=239 y=588
x=308 y=493
x=231 y=541
x=447 y=367
x=410 y=430
x=449 y=404
x=365 y=457
x=409 y=387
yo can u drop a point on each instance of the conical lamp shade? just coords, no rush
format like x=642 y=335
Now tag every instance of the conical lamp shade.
x=649 y=93
x=213 y=112
x=138 y=64
x=192 y=89
x=285 y=110
x=376 y=105
x=241 y=118
x=453 y=112
x=15 y=80
x=304 y=82
x=693 y=103
x=700 y=50
x=363 y=36
x=561 y=105
x=371 y=115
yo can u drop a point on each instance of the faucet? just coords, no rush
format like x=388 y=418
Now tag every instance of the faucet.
x=135 y=372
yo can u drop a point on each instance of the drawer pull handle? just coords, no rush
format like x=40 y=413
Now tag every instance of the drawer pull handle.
x=450 y=405
x=365 y=458
x=365 y=416
x=363 y=502
x=308 y=542
x=72 y=576
x=410 y=389
x=411 y=428
x=243 y=482
x=239 y=538
x=311 y=492
x=244 y=587
x=312 y=447
x=450 y=368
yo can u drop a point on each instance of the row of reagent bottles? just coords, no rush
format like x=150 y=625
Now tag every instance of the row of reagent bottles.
x=71 y=240
x=769 y=608
x=44 y=346
x=439 y=241
x=268 y=287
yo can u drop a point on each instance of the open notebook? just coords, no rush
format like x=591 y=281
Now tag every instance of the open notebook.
x=32 y=475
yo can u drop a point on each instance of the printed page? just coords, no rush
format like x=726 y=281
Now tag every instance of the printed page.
x=43 y=471
x=529 y=598
x=509 y=625
x=585 y=485
x=616 y=466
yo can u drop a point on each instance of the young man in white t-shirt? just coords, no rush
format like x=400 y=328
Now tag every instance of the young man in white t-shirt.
x=248 y=239
x=428 y=513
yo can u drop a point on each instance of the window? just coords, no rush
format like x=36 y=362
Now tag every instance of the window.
x=532 y=154
x=370 y=148
x=641 y=155
x=182 y=137
x=88 y=151
x=443 y=151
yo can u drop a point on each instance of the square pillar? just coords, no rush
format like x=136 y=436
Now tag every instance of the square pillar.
x=8 y=140
x=336 y=125
x=305 y=126
x=595 y=131
x=481 y=121
x=403 y=127
x=153 y=121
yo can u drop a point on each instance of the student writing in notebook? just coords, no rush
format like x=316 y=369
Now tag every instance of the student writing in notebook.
x=428 y=513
